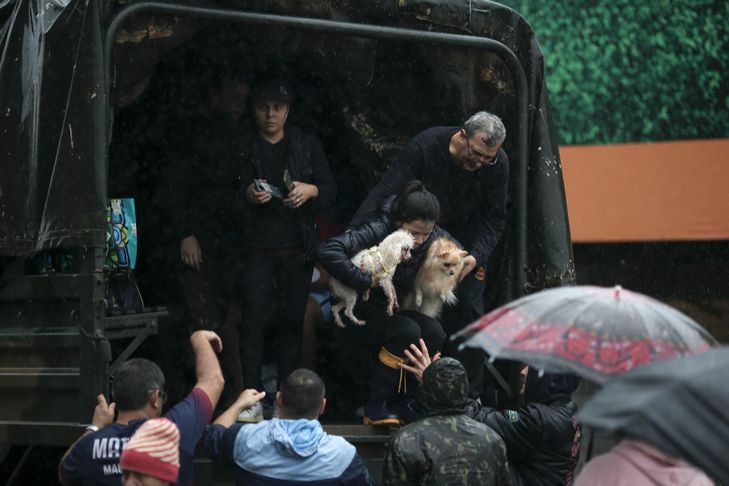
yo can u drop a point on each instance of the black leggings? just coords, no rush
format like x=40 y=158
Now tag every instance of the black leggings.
x=274 y=292
x=395 y=332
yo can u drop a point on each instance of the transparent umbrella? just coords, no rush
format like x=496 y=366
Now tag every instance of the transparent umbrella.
x=595 y=332
x=678 y=406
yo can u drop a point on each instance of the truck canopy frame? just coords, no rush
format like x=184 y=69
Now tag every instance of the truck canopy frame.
x=53 y=189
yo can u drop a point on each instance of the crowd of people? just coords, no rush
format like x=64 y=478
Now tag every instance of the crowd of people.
x=246 y=194
x=248 y=245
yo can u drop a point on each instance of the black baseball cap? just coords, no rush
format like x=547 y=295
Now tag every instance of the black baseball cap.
x=273 y=89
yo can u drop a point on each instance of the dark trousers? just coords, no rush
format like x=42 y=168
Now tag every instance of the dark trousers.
x=470 y=308
x=274 y=292
x=394 y=333
x=207 y=291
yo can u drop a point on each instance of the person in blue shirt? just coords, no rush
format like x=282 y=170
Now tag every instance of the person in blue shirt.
x=138 y=392
x=292 y=449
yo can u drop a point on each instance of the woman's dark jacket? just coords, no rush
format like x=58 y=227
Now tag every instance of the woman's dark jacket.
x=306 y=162
x=335 y=253
x=542 y=437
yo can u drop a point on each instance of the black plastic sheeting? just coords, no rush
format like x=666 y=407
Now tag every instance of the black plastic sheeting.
x=52 y=195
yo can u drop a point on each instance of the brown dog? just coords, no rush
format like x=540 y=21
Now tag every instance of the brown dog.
x=436 y=279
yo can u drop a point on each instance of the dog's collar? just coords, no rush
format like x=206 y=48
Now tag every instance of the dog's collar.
x=385 y=272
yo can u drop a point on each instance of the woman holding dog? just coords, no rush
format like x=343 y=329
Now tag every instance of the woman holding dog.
x=415 y=210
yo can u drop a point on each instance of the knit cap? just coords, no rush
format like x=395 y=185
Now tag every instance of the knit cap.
x=154 y=450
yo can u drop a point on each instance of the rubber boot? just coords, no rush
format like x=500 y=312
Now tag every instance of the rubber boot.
x=406 y=410
x=404 y=406
x=387 y=382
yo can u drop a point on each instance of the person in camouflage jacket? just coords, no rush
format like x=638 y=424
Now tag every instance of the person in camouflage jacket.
x=445 y=447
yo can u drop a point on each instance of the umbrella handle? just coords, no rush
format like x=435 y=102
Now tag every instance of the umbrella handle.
x=499 y=379
x=590 y=443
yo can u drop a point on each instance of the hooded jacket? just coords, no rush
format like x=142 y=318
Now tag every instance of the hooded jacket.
x=445 y=447
x=633 y=463
x=280 y=451
x=542 y=437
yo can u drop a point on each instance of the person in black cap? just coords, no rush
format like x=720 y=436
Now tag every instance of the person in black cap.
x=285 y=180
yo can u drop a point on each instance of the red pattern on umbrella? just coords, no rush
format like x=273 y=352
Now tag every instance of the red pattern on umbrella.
x=589 y=330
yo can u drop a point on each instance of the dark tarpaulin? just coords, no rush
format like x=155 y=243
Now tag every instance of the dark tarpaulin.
x=386 y=92
x=51 y=193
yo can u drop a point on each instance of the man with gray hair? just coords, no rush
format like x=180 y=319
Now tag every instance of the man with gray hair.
x=468 y=171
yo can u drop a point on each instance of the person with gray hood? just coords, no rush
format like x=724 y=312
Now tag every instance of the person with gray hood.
x=446 y=446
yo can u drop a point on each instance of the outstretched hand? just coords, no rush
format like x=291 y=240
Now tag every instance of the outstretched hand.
x=419 y=359
x=103 y=412
x=245 y=400
x=248 y=398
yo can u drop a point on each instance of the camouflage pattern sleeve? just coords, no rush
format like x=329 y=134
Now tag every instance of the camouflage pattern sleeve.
x=397 y=467
x=502 y=475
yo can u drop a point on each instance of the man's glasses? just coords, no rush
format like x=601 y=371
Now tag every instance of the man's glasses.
x=480 y=158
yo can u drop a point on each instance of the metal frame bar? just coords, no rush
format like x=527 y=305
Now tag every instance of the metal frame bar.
x=149 y=329
x=20 y=464
x=375 y=32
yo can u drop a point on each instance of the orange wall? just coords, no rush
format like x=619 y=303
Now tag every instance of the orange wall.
x=648 y=191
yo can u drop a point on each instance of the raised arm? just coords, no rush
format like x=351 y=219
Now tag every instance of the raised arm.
x=209 y=376
x=245 y=400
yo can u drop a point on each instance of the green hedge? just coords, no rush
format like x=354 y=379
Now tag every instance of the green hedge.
x=625 y=71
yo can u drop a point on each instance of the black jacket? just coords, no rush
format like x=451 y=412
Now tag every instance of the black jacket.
x=542 y=437
x=335 y=253
x=473 y=204
x=200 y=184
x=306 y=162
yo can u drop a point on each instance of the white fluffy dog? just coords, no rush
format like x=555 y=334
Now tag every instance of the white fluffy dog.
x=380 y=263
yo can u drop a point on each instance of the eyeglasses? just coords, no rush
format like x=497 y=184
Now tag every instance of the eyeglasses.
x=480 y=158
x=162 y=394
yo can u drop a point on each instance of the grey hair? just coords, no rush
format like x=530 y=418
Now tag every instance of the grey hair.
x=490 y=124
x=134 y=382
